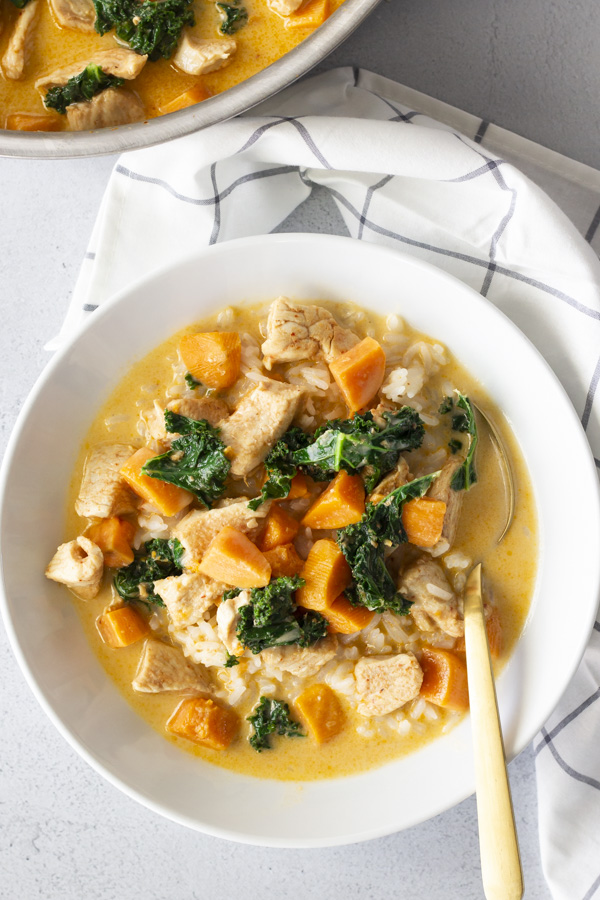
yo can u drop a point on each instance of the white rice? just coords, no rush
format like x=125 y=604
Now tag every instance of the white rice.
x=437 y=591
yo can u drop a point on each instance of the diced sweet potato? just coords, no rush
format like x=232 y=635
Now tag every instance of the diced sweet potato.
x=27 y=122
x=344 y=618
x=299 y=487
x=213 y=357
x=121 y=627
x=322 y=711
x=444 y=679
x=359 y=373
x=167 y=498
x=114 y=537
x=204 y=722
x=284 y=561
x=493 y=627
x=423 y=520
x=232 y=558
x=311 y=15
x=280 y=528
x=327 y=575
x=196 y=94
x=341 y=503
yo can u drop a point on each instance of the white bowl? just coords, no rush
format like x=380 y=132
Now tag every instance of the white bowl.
x=43 y=625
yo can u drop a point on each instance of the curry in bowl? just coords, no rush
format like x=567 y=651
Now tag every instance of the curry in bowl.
x=271 y=525
x=79 y=65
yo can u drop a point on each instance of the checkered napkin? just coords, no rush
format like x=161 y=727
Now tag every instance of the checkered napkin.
x=415 y=174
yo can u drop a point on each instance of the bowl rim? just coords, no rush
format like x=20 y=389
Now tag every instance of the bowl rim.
x=232 y=102
x=104 y=769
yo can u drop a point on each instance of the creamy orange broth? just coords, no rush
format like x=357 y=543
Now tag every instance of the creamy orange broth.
x=510 y=570
x=264 y=39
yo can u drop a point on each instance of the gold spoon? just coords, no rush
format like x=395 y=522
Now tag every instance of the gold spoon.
x=501 y=871
x=506 y=467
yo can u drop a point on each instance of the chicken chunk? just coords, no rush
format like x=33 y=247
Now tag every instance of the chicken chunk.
x=227 y=621
x=163 y=667
x=103 y=492
x=284 y=7
x=79 y=564
x=441 y=490
x=435 y=605
x=110 y=108
x=395 y=479
x=19 y=43
x=262 y=416
x=384 y=683
x=79 y=15
x=213 y=411
x=297 y=332
x=303 y=662
x=188 y=596
x=117 y=61
x=199 y=527
x=196 y=56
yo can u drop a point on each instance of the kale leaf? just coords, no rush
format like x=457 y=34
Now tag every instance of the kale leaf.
x=231 y=661
x=279 y=467
x=234 y=17
x=196 y=460
x=154 y=560
x=150 y=28
x=364 y=545
x=272 y=619
x=20 y=4
x=191 y=382
x=464 y=421
x=446 y=405
x=350 y=444
x=80 y=87
x=271 y=717
x=454 y=445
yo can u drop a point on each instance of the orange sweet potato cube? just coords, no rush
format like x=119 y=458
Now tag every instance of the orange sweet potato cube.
x=322 y=711
x=27 y=122
x=311 y=15
x=444 y=679
x=213 y=357
x=341 y=503
x=284 y=560
x=423 y=521
x=344 y=618
x=204 y=722
x=232 y=558
x=327 y=575
x=114 y=537
x=167 y=498
x=280 y=528
x=196 y=94
x=121 y=627
x=359 y=373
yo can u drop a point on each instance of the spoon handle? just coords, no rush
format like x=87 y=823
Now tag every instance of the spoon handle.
x=500 y=863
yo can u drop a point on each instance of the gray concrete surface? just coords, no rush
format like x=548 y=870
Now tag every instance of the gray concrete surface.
x=64 y=833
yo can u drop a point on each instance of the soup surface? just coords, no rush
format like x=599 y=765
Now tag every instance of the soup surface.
x=163 y=85
x=364 y=657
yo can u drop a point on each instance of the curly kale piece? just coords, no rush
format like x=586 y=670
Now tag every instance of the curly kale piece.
x=154 y=560
x=445 y=406
x=365 y=543
x=150 y=28
x=272 y=619
x=191 y=382
x=354 y=444
x=271 y=717
x=234 y=17
x=79 y=88
x=20 y=4
x=464 y=421
x=279 y=467
x=231 y=661
x=196 y=460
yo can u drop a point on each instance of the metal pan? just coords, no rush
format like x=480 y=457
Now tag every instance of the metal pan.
x=230 y=103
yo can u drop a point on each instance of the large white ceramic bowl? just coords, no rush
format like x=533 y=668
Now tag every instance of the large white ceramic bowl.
x=44 y=627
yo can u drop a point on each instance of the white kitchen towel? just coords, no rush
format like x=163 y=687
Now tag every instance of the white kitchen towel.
x=415 y=174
